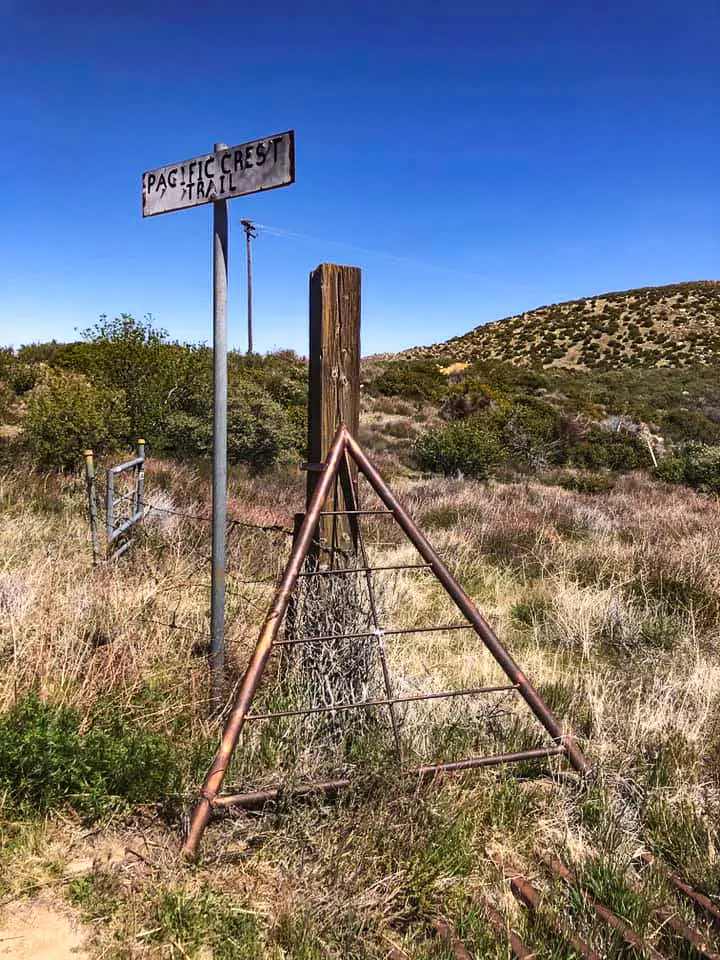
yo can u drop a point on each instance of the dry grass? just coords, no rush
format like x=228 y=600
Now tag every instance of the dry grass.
x=609 y=602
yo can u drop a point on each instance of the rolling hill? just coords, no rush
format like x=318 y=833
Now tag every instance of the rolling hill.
x=671 y=326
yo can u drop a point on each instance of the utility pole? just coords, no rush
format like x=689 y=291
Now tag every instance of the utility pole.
x=250 y=234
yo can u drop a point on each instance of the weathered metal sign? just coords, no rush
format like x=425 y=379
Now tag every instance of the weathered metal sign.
x=232 y=172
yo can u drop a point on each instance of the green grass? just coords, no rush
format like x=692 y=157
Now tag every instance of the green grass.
x=48 y=762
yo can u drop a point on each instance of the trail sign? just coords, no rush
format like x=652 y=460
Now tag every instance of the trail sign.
x=221 y=175
x=215 y=178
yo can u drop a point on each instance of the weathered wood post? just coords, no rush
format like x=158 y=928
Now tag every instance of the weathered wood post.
x=334 y=388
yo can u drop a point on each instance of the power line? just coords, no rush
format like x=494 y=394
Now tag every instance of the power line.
x=284 y=234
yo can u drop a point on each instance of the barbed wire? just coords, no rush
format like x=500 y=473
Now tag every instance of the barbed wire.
x=232 y=522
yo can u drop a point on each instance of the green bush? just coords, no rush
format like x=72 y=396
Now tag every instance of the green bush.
x=587 y=482
x=67 y=413
x=519 y=434
x=467 y=398
x=46 y=762
x=22 y=377
x=671 y=469
x=260 y=431
x=411 y=379
x=702 y=467
x=689 y=425
x=697 y=465
x=613 y=450
x=472 y=447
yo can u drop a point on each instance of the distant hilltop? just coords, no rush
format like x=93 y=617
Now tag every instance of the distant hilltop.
x=669 y=326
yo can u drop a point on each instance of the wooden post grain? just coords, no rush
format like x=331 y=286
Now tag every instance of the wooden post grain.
x=334 y=390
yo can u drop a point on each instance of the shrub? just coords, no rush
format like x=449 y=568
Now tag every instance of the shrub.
x=47 y=763
x=671 y=470
x=520 y=434
x=68 y=413
x=470 y=446
x=614 y=450
x=467 y=398
x=587 y=482
x=260 y=432
x=412 y=379
x=689 y=425
x=702 y=467
x=22 y=377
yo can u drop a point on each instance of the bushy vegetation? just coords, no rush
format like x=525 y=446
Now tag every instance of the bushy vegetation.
x=503 y=419
x=48 y=762
x=674 y=325
x=125 y=379
x=695 y=464
x=68 y=412
x=521 y=434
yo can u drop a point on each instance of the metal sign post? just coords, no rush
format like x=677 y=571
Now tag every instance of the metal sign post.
x=215 y=178
x=219 y=476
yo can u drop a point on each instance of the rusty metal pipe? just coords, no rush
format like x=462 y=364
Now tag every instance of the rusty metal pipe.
x=526 y=893
x=492 y=761
x=631 y=938
x=236 y=718
x=699 y=900
x=517 y=947
x=365 y=636
x=342 y=571
x=468 y=608
x=259 y=797
x=445 y=931
x=384 y=702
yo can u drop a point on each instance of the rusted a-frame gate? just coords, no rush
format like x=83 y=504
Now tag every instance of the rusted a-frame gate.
x=345 y=452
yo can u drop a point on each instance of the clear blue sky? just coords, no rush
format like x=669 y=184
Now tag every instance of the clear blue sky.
x=508 y=154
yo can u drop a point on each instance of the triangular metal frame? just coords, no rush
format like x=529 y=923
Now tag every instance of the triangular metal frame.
x=335 y=468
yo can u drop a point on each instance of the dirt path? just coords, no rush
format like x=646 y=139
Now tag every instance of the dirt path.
x=37 y=929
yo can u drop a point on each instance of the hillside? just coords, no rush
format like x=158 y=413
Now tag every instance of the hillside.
x=674 y=325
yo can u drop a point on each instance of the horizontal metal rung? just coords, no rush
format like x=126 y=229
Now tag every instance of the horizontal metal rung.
x=363 y=704
x=121 y=467
x=332 y=573
x=472 y=762
x=330 y=787
x=364 y=636
x=125 y=526
x=356 y=513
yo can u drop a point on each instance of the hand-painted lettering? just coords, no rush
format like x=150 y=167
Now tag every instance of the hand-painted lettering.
x=225 y=173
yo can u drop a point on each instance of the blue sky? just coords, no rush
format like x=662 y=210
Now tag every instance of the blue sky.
x=476 y=159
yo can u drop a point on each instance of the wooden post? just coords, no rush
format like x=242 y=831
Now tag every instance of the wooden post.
x=334 y=389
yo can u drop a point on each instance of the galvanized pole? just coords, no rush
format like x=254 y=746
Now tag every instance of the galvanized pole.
x=219 y=479
x=249 y=235
x=140 y=479
x=92 y=505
